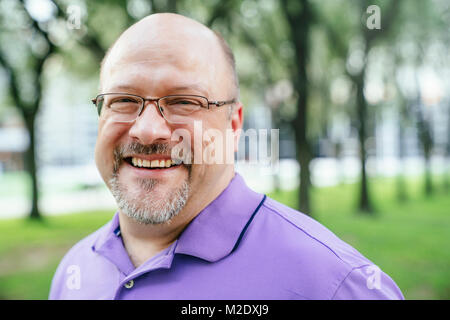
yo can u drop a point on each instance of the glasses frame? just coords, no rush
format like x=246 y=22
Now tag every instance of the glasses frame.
x=144 y=100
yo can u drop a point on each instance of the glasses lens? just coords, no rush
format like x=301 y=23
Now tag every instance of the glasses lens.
x=99 y=101
x=181 y=109
x=122 y=107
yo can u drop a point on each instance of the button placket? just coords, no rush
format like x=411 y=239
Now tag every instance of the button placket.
x=162 y=262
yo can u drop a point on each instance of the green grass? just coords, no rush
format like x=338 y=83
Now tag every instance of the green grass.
x=31 y=250
x=407 y=240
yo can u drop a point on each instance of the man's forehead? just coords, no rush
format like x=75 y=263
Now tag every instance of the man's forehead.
x=164 y=36
x=145 y=70
x=191 y=85
x=161 y=51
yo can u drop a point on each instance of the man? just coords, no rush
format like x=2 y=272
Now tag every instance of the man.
x=193 y=230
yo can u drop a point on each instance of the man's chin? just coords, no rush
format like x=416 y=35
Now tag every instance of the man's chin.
x=149 y=201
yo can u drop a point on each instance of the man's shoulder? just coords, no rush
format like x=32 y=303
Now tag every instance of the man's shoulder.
x=310 y=260
x=304 y=234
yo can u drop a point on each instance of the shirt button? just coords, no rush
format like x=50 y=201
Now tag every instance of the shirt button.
x=129 y=284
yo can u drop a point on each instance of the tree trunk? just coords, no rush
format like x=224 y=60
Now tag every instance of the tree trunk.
x=303 y=147
x=401 y=185
x=340 y=161
x=30 y=166
x=428 y=177
x=426 y=141
x=365 y=204
x=304 y=159
x=299 y=17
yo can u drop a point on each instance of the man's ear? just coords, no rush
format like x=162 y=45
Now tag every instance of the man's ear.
x=237 y=121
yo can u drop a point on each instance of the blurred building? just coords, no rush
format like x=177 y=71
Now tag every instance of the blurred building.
x=66 y=124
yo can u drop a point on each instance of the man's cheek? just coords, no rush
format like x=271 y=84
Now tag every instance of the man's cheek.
x=104 y=151
x=110 y=131
x=104 y=165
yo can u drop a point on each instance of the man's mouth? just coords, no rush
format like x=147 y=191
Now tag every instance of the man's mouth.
x=152 y=164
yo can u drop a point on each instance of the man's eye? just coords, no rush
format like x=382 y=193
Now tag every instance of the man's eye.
x=124 y=100
x=184 y=102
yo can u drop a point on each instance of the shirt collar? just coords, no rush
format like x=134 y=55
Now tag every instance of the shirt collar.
x=217 y=229
x=110 y=245
x=213 y=234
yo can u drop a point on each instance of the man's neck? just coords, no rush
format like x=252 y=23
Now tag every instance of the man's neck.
x=144 y=241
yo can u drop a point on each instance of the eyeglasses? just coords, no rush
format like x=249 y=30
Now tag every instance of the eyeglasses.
x=178 y=108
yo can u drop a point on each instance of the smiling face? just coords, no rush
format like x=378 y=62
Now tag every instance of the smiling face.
x=163 y=55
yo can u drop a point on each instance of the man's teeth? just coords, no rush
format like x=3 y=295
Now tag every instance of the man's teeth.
x=137 y=162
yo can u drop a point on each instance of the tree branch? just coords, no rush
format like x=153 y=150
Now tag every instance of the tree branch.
x=12 y=79
x=219 y=10
x=88 y=40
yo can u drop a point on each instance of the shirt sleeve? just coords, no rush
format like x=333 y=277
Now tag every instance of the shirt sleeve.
x=368 y=283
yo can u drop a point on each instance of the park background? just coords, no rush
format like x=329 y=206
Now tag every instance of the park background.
x=359 y=90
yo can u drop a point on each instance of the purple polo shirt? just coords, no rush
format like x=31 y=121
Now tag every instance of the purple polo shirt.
x=243 y=245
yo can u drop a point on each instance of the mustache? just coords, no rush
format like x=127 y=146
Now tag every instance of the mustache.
x=135 y=147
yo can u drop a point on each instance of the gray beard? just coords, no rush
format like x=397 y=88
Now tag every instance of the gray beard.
x=147 y=209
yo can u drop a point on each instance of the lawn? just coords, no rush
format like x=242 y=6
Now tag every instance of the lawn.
x=407 y=240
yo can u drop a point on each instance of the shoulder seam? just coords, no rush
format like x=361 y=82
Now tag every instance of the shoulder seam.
x=305 y=232
x=345 y=278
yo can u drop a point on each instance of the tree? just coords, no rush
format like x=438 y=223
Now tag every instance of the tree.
x=299 y=18
x=369 y=37
x=427 y=25
x=35 y=38
x=403 y=120
x=28 y=107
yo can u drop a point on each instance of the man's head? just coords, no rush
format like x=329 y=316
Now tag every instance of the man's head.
x=165 y=55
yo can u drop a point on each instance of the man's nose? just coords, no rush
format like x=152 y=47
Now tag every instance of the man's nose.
x=150 y=126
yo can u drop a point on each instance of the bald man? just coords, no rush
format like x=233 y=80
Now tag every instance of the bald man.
x=187 y=228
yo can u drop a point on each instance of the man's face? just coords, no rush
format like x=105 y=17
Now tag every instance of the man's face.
x=154 y=64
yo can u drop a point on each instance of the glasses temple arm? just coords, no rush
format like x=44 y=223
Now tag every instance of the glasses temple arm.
x=221 y=103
